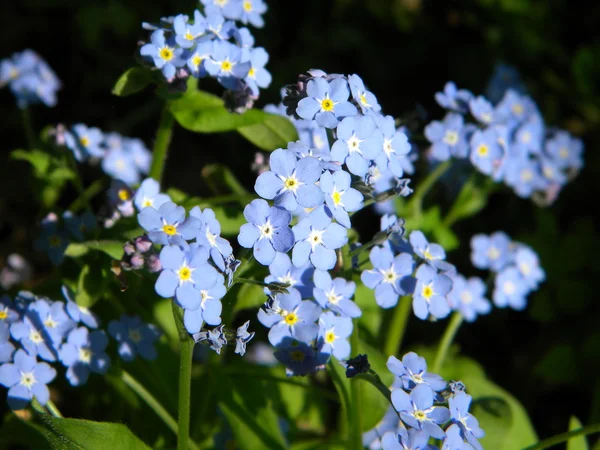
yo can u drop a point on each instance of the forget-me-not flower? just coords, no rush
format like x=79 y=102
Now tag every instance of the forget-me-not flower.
x=252 y=11
x=486 y=152
x=168 y=224
x=226 y=64
x=282 y=270
x=333 y=334
x=339 y=196
x=448 y=138
x=528 y=263
x=210 y=307
x=187 y=32
x=83 y=352
x=431 y=253
x=491 y=252
x=357 y=144
x=148 y=194
x=468 y=297
x=133 y=337
x=430 y=293
x=453 y=98
x=335 y=294
x=510 y=289
x=412 y=371
x=164 y=53
x=417 y=410
x=327 y=102
x=210 y=236
x=258 y=76
x=565 y=150
x=365 y=99
x=395 y=146
x=6 y=347
x=469 y=426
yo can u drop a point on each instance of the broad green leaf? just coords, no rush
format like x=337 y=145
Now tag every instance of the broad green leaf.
x=205 y=113
x=275 y=132
x=114 y=249
x=131 y=81
x=579 y=442
x=247 y=405
x=39 y=160
x=91 y=284
x=77 y=434
x=250 y=296
x=18 y=433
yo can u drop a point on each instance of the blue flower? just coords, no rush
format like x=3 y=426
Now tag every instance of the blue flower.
x=504 y=77
x=334 y=332
x=482 y=110
x=8 y=311
x=26 y=378
x=6 y=347
x=84 y=352
x=486 y=151
x=226 y=64
x=258 y=76
x=454 y=440
x=417 y=411
x=523 y=175
x=216 y=337
x=242 y=337
x=85 y=142
x=221 y=28
x=363 y=98
x=390 y=423
x=120 y=165
x=404 y=439
x=283 y=271
x=357 y=144
x=292 y=317
x=210 y=307
x=529 y=137
x=168 y=224
x=232 y=9
x=299 y=357
x=196 y=61
x=327 y=102
x=453 y=98
x=184 y=274
x=252 y=11
x=430 y=292
x=510 y=289
x=412 y=371
x=448 y=138
x=164 y=53
x=335 y=294
x=515 y=108
x=268 y=231
x=469 y=426
x=430 y=253
x=317 y=238
x=186 y=32
x=390 y=276
x=528 y=263
x=79 y=313
x=79 y=225
x=210 y=236
x=491 y=252
x=467 y=297
x=148 y=194
x=395 y=146
x=551 y=172
x=313 y=135
x=119 y=200
x=134 y=337
x=339 y=196
x=291 y=182
x=52 y=239
x=565 y=150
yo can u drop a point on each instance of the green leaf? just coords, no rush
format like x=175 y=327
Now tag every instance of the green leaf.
x=579 y=442
x=131 y=81
x=275 y=132
x=18 y=433
x=202 y=112
x=114 y=249
x=91 y=285
x=77 y=434
x=39 y=160
x=250 y=296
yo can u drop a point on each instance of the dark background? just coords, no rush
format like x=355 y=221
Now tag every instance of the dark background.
x=405 y=50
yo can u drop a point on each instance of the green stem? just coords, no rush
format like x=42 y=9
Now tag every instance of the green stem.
x=564 y=437
x=356 y=410
x=53 y=409
x=92 y=190
x=28 y=127
x=245 y=257
x=161 y=144
x=447 y=338
x=397 y=326
x=186 y=344
x=373 y=378
x=426 y=185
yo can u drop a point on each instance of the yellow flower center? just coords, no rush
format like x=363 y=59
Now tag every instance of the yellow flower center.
x=147 y=202
x=197 y=60
x=35 y=337
x=226 y=66
x=493 y=253
x=291 y=318
x=248 y=6
x=291 y=184
x=526 y=175
x=3 y=315
x=417 y=378
x=548 y=172
x=483 y=150
x=124 y=194
x=427 y=291
x=189 y=36
x=518 y=109
x=50 y=322
x=420 y=415
x=266 y=230
x=330 y=337
x=363 y=99
x=185 y=273
x=14 y=73
x=166 y=53
x=427 y=254
x=525 y=269
x=389 y=276
x=509 y=288
x=327 y=105
x=336 y=197
x=297 y=355
x=252 y=72
x=84 y=140
x=85 y=355
x=170 y=229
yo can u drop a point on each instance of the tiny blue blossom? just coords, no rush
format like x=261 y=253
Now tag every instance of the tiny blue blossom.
x=395 y=146
x=412 y=371
x=258 y=76
x=283 y=271
x=335 y=294
x=565 y=150
x=133 y=337
x=339 y=196
x=491 y=252
x=523 y=175
x=78 y=226
x=482 y=110
x=291 y=182
x=515 y=108
x=79 y=313
x=454 y=440
x=333 y=334
x=226 y=64
x=390 y=423
x=168 y=224
x=242 y=337
x=317 y=238
x=52 y=240
x=148 y=194
x=85 y=142
x=528 y=263
x=299 y=357
x=210 y=236
x=430 y=292
x=26 y=378
x=6 y=347
x=417 y=411
x=404 y=439
x=187 y=32
x=365 y=99
x=327 y=102
x=8 y=310
x=454 y=99
x=467 y=297
x=357 y=144
x=84 y=352
x=209 y=310
x=163 y=52
x=196 y=61
x=486 y=151
x=431 y=253
x=469 y=426
x=252 y=11
x=448 y=138
x=510 y=289
x=267 y=232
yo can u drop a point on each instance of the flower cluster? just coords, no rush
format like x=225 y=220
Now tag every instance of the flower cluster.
x=210 y=45
x=424 y=407
x=30 y=79
x=36 y=331
x=122 y=158
x=317 y=180
x=515 y=266
x=507 y=141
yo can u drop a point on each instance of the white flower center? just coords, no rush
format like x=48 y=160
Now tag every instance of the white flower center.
x=509 y=287
x=466 y=297
x=28 y=379
x=354 y=144
x=211 y=238
x=266 y=230
x=85 y=355
x=451 y=138
x=333 y=298
x=315 y=238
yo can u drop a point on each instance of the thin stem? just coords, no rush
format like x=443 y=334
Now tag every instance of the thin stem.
x=28 y=128
x=446 y=341
x=92 y=190
x=53 y=409
x=186 y=344
x=426 y=185
x=245 y=257
x=161 y=144
x=356 y=410
x=397 y=326
x=373 y=378
x=564 y=437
